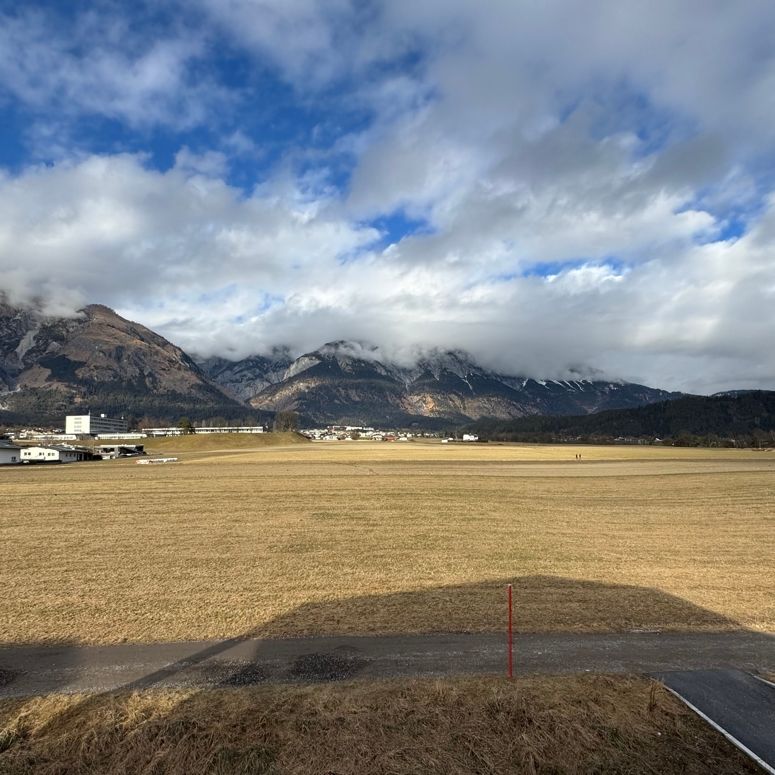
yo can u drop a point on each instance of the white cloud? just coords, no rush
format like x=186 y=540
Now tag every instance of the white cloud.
x=603 y=146
x=99 y=63
x=218 y=272
x=116 y=231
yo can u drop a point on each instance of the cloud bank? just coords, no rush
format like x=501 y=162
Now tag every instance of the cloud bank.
x=554 y=187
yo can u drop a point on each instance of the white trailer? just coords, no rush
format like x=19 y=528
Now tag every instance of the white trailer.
x=53 y=454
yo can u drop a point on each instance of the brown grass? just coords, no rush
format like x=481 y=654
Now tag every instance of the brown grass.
x=356 y=538
x=461 y=727
x=207 y=442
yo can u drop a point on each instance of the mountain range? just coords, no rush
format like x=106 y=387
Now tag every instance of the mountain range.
x=345 y=382
x=98 y=360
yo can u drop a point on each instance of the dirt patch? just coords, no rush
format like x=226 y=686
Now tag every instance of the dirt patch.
x=338 y=665
x=7 y=676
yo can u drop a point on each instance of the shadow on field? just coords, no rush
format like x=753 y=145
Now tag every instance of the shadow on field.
x=541 y=604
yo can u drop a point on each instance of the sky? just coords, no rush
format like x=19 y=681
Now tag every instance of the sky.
x=576 y=187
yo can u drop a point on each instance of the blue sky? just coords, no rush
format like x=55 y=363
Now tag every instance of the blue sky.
x=541 y=184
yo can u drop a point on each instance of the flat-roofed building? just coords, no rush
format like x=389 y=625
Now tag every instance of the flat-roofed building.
x=178 y=431
x=10 y=454
x=122 y=436
x=54 y=454
x=93 y=424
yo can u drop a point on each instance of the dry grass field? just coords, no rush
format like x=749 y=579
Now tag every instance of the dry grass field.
x=221 y=442
x=461 y=727
x=366 y=537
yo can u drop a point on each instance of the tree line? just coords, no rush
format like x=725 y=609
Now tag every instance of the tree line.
x=742 y=419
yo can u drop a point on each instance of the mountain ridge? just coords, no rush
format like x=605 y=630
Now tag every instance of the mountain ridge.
x=95 y=358
x=53 y=365
x=345 y=382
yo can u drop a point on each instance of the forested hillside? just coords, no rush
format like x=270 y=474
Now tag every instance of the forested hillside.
x=745 y=418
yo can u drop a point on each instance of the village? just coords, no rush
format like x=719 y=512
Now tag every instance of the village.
x=361 y=433
x=78 y=442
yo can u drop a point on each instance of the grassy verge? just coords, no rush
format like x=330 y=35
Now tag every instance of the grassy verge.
x=582 y=725
x=209 y=442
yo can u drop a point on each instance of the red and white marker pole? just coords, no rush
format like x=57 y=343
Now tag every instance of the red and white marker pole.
x=510 y=636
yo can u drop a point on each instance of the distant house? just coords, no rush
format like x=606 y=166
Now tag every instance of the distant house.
x=470 y=437
x=9 y=454
x=54 y=454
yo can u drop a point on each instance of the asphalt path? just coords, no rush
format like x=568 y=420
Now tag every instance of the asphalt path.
x=39 y=670
x=739 y=705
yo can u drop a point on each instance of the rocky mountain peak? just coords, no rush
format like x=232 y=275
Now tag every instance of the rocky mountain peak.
x=54 y=363
x=457 y=362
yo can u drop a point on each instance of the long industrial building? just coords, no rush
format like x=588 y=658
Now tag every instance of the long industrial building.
x=176 y=430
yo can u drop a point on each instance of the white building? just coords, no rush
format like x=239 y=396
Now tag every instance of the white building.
x=121 y=436
x=9 y=454
x=53 y=454
x=470 y=437
x=92 y=424
x=176 y=431
x=50 y=438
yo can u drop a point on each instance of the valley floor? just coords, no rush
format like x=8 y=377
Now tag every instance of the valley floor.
x=252 y=541
x=358 y=538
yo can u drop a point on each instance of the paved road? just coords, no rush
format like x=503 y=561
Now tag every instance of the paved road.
x=739 y=705
x=27 y=670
